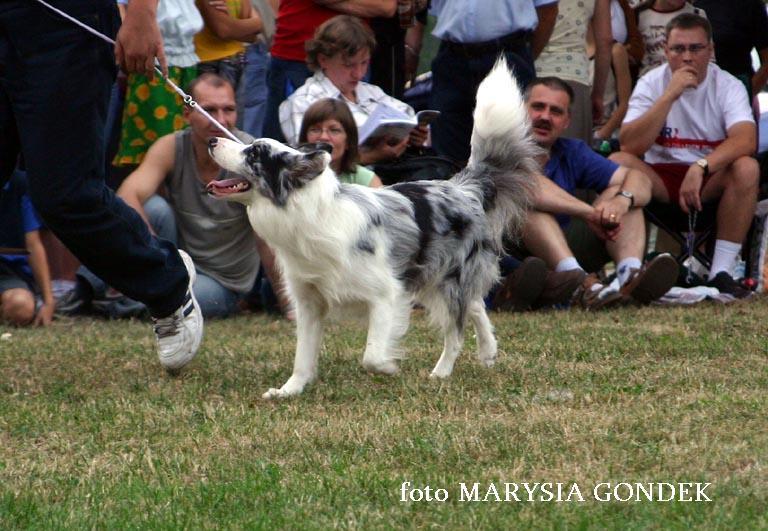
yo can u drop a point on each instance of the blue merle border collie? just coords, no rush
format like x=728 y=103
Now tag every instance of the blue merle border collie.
x=435 y=243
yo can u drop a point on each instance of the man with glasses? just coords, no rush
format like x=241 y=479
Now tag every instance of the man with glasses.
x=693 y=124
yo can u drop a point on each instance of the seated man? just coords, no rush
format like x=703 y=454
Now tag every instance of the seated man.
x=216 y=234
x=616 y=217
x=694 y=124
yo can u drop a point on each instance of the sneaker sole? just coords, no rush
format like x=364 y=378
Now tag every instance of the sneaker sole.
x=661 y=275
x=179 y=361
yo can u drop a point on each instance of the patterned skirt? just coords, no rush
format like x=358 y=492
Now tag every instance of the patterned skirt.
x=152 y=109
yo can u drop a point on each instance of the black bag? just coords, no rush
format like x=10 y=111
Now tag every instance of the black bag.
x=416 y=168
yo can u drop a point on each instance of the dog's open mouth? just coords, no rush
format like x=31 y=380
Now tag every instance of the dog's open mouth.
x=227 y=187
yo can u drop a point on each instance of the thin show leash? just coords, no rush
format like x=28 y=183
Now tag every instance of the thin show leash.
x=690 y=241
x=186 y=97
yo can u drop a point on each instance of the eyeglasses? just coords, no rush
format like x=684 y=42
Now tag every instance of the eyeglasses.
x=331 y=131
x=680 y=49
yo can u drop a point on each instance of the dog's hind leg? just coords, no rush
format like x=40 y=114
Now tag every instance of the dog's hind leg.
x=454 y=338
x=486 y=341
x=387 y=322
x=309 y=333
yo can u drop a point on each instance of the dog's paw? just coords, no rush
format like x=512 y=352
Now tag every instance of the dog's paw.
x=388 y=367
x=438 y=374
x=283 y=392
x=487 y=359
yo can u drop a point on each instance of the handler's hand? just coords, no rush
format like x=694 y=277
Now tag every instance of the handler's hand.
x=139 y=41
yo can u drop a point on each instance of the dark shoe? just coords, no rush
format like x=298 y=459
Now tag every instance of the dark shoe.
x=73 y=302
x=652 y=280
x=522 y=286
x=559 y=287
x=115 y=305
x=593 y=295
x=726 y=284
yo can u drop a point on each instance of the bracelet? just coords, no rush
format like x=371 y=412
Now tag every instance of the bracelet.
x=409 y=49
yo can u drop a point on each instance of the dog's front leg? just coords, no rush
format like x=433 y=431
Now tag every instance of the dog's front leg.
x=309 y=333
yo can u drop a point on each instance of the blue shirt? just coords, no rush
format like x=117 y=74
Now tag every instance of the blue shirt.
x=483 y=20
x=573 y=164
x=17 y=218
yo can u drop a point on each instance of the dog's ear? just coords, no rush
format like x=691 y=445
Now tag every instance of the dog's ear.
x=311 y=147
x=280 y=172
x=307 y=166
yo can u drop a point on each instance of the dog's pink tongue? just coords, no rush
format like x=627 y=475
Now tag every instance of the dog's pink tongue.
x=227 y=186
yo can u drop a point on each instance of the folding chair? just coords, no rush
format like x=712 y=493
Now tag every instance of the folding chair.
x=669 y=218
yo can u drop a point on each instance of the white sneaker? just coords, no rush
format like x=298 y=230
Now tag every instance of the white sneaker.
x=179 y=335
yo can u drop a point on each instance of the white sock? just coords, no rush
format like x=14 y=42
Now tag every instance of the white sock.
x=724 y=258
x=625 y=267
x=568 y=264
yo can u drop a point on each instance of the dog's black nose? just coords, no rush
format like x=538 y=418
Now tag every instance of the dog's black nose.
x=212 y=142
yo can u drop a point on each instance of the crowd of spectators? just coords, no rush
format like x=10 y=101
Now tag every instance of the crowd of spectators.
x=631 y=102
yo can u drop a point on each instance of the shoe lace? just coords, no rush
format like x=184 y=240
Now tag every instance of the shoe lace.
x=167 y=326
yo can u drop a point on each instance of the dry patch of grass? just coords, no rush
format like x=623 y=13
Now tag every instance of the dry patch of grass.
x=94 y=434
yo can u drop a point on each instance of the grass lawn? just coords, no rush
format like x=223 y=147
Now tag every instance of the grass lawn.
x=93 y=434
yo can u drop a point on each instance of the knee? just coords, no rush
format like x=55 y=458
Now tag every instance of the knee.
x=159 y=212
x=18 y=306
x=745 y=174
x=57 y=206
x=624 y=158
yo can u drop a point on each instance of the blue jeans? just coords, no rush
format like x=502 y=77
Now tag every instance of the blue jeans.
x=253 y=90
x=455 y=78
x=55 y=82
x=283 y=78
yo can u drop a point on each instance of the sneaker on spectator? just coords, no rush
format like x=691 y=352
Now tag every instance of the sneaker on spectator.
x=594 y=295
x=74 y=301
x=652 y=280
x=522 y=286
x=726 y=284
x=179 y=335
x=559 y=287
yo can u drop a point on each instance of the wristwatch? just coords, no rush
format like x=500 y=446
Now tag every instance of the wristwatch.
x=629 y=195
x=704 y=165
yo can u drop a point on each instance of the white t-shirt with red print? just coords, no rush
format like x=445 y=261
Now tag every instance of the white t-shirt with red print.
x=698 y=121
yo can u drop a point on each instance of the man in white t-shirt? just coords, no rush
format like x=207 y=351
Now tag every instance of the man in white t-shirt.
x=694 y=124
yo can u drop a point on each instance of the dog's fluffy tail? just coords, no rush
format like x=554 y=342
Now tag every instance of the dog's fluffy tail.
x=503 y=157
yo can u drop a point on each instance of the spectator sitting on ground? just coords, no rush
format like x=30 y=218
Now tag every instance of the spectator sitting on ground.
x=330 y=120
x=339 y=55
x=616 y=217
x=217 y=234
x=23 y=279
x=693 y=124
